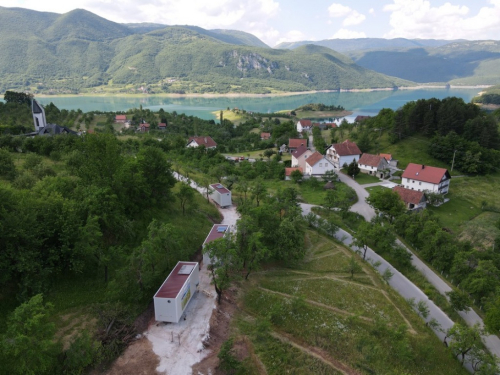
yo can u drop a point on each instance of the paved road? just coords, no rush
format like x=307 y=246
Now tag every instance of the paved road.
x=361 y=207
x=471 y=317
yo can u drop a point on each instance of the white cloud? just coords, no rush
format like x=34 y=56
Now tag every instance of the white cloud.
x=354 y=18
x=248 y=15
x=371 y=11
x=418 y=19
x=338 y=10
x=348 y=34
x=291 y=36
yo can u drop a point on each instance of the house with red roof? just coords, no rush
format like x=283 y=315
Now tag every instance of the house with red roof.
x=360 y=118
x=317 y=165
x=392 y=162
x=265 y=136
x=422 y=177
x=122 y=119
x=205 y=141
x=221 y=195
x=413 y=199
x=144 y=127
x=304 y=126
x=295 y=143
x=162 y=126
x=299 y=157
x=373 y=164
x=343 y=153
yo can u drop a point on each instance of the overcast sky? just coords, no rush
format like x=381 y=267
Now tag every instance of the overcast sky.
x=275 y=21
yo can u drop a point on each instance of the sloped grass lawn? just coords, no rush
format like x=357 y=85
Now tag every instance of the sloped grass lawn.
x=482 y=230
x=456 y=212
x=393 y=340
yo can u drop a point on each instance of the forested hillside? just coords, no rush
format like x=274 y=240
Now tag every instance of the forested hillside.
x=79 y=50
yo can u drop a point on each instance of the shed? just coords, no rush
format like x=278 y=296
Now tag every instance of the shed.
x=176 y=291
x=221 y=195
x=217 y=231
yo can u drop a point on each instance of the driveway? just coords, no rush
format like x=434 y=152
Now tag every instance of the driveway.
x=361 y=207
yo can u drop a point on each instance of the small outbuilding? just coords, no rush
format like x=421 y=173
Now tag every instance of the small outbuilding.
x=176 y=291
x=221 y=195
x=217 y=231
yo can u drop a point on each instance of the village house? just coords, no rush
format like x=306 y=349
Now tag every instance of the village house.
x=343 y=153
x=144 y=127
x=413 y=199
x=424 y=178
x=162 y=126
x=265 y=136
x=320 y=125
x=121 y=119
x=299 y=157
x=392 y=162
x=317 y=165
x=206 y=141
x=221 y=195
x=304 y=126
x=295 y=143
x=374 y=165
x=288 y=172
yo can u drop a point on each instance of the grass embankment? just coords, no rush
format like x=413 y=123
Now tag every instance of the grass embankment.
x=315 y=318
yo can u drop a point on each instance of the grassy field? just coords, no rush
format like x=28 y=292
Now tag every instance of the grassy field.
x=316 y=318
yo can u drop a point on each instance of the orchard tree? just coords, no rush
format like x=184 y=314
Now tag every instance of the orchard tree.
x=225 y=263
x=463 y=339
x=296 y=176
x=185 y=195
x=387 y=202
x=459 y=300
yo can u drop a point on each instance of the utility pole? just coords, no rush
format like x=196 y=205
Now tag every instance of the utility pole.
x=453 y=162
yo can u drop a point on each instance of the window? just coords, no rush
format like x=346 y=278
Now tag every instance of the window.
x=407 y=180
x=420 y=184
x=320 y=165
x=413 y=182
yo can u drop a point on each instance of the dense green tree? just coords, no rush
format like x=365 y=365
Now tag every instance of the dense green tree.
x=387 y=202
x=7 y=167
x=353 y=169
x=28 y=346
x=459 y=300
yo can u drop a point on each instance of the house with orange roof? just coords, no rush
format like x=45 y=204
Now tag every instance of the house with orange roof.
x=317 y=165
x=413 y=199
x=295 y=143
x=265 y=136
x=304 y=126
x=205 y=141
x=422 y=177
x=373 y=164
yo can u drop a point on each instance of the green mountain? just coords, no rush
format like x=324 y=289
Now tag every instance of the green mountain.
x=457 y=62
x=80 y=50
x=345 y=45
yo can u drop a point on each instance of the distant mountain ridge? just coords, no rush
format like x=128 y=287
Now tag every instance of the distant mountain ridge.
x=78 y=50
x=457 y=62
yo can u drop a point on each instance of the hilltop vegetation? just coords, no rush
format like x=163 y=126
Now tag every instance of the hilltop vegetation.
x=78 y=50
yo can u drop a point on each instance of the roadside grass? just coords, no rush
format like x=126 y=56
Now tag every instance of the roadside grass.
x=372 y=189
x=376 y=331
x=363 y=179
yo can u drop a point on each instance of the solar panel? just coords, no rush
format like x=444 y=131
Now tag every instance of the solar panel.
x=220 y=186
x=221 y=229
x=186 y=269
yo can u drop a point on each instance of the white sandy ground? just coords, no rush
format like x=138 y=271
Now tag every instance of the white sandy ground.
x=179 y=346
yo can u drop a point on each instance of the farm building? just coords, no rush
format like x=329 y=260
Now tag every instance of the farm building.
x=171 y=299
x=221 y=195
x=217 y=231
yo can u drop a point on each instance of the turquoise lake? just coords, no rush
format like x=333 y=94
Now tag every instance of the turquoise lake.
x=361 y=103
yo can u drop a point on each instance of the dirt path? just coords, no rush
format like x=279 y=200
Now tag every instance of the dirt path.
x=317 y=353
x=319 y=304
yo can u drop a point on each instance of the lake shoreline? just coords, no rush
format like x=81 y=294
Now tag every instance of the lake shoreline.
x=249 y=95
